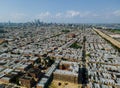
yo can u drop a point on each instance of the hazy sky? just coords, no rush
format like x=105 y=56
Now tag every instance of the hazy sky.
x=62 y=11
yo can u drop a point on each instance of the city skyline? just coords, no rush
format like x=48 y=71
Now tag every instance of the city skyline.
x=63 y=11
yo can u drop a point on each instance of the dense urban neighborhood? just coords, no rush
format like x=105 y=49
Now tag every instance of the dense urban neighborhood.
x=39 y=55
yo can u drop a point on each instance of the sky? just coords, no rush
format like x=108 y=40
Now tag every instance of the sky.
x=60 y=11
